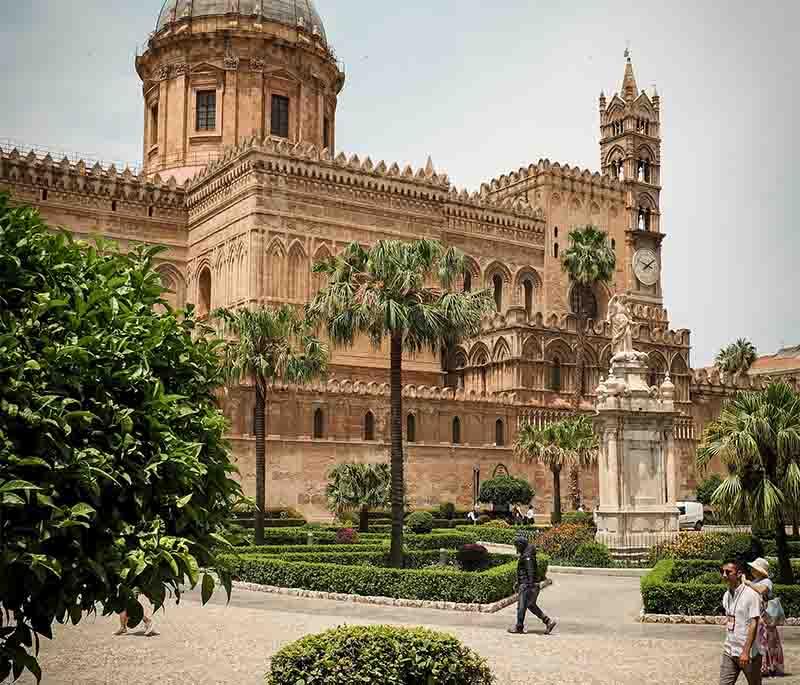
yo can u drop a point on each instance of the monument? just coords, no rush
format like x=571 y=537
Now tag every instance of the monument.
x=638 y=483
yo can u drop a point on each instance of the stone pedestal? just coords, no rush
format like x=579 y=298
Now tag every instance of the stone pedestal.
x=637 y=458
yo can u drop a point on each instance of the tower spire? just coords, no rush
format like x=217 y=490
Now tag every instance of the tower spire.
x=629 y=89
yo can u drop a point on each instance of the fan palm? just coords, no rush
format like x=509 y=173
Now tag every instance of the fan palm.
x=385 y=292
x=587 y=261
x=568 y=442
x=269 y=344
x=737 y=357
x=757 y=438
x=359 y=487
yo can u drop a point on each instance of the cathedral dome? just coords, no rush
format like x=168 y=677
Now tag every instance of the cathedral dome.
x=288 y=12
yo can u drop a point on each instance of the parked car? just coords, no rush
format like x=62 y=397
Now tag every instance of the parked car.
x=691 y=515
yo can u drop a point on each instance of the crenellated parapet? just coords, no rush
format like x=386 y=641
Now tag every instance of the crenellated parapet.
x=712 y=381
x=97 y=181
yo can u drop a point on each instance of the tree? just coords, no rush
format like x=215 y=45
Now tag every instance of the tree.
x=588 y=261
x=359 y=487
x=270 y=344
x=568 y=442
x=737 y=357
x=401 y=291
x=706 y=489
x=506 y=490
x=115 y=477
x=757 y=438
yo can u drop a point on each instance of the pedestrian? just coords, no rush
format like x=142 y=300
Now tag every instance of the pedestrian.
x=530 y=515
x=517 y=515
x=149 y=624
x=474 y=515
x=769 y=639
x=582 y=509
x=742 y=607
x=529 y=587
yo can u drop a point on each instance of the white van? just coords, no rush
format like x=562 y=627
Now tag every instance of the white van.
x=691 y=515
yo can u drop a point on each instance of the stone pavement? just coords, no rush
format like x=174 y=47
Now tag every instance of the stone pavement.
x=598 y=641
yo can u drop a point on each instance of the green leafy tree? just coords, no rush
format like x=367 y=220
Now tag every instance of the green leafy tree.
x=401 y=291
x=115 y=478
x=707 y=488
x=737 y=357
x=588 y=261
x=359 y=487
x=268 y=345
x=757 y=439
x=568 y=442
x=505 y=490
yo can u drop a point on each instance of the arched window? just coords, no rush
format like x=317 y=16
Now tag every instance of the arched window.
x=499 y=433
x=583 y=301
x=411 y=428
x=369 y=426
x=204 y=293
x=613 y=244
x=555 y=250
x=319 y=424
x=555 y=375
x=555 y=232
x=497 y=279
x=456 y=431
x=653 y=379
x=467 y=281
x=528 y=298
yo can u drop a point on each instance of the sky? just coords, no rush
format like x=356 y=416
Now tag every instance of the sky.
x=485 y=88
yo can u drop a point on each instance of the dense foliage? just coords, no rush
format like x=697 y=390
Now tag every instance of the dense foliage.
x=405 y=293
x=561 y=542
x=364 y=655
x=592 y=555
x=504 y=490
x=358 y=487
x=420 y=522
x=737 y=357
x=583 y=517
x=472 y=557
x=114 y=475
x=757 y=439
x=346 y=536
x=707 y=488
x=694 y=545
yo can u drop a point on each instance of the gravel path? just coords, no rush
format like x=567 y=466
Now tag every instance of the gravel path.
x=598 y=641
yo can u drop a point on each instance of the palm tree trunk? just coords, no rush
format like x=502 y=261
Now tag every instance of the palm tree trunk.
x=261 y=459
x=398 y=488
x=575 y=486
x=784 y=564
x=580 y=389
x=363 y=519
x=556 y=516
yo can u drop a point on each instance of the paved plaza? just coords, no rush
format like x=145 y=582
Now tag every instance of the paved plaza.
x=598 y=641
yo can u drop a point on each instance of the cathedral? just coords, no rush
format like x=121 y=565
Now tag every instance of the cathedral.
x=242 y=182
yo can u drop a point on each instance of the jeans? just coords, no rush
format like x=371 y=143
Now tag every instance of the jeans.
x=527 y=601
x=729 y=670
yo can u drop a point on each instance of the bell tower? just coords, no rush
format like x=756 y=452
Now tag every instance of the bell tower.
x=630 y=150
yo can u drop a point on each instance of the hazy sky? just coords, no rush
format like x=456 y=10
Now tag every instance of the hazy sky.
x=485 y=88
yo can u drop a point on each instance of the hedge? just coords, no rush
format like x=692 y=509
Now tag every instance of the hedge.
x=440 y=584
x=501 y=536
x=273 y=550
x=378 y=654
x=669 y=589
x=441 y=539
x=249 y=522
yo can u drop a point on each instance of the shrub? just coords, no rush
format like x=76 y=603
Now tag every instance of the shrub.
x=592 y=555
x=420 y=522
x=438 y=540
x=505 y=490
x=346 y=536
x=561 y=542
x=284 y=523
x=706 y=488
x=707 y=578
x=497 y=523
x=447 y=510
x=483 y=519
x=742 y=546
x=383 y=654
x=583 y=517
x=348 y=518
x=500 y=536
x=690 y=545
x=472 y=557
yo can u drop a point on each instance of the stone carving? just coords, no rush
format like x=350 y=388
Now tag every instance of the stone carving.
x=621 y=320
x=257 y=64
x=231 y=63
x=181 y=69
x=163 y=72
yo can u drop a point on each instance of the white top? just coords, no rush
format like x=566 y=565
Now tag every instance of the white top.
x=530 y=514
x=741 y=607
x=769 y=585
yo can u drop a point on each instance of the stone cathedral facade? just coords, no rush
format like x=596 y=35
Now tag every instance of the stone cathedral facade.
x=242 y=181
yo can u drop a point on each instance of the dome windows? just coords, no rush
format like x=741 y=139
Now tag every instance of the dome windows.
x=279 y=123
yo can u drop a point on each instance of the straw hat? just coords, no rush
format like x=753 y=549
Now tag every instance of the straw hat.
x=761 y=566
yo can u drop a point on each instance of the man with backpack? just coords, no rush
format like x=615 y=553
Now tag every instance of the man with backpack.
x=529 y=588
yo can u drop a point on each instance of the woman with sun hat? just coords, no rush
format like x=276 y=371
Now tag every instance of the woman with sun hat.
x=769 y=639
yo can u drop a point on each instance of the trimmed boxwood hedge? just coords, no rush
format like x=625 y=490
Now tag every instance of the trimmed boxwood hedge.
x=673 y=587
x=501 y=536
x=378 y=654
x=310 y=549
x=438 y=584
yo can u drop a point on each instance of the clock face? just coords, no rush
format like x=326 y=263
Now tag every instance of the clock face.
x=646 y=267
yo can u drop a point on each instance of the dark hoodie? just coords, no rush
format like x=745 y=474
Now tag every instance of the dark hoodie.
x=527 y=570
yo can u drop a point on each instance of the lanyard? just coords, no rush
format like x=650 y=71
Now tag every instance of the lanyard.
x=738 y=596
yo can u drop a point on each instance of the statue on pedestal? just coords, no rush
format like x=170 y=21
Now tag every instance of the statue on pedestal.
x=621 y=320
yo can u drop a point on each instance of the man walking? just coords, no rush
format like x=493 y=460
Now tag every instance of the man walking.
x=529 y=587
x=742 y=607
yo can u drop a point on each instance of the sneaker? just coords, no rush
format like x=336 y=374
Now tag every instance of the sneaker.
x=149 y=627
x=120 y=631
x=516 y=630
x=551 y=626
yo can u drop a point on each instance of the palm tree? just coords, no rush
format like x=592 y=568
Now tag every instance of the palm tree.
x=737 y=357
x=757 y=438
x=587 y=261
x=359 y=486
x=385 y=291
x=568 y=442
x=270 y=344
